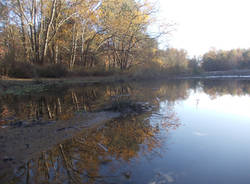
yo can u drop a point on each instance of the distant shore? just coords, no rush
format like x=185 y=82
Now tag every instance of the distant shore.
x=219 y=74
x=22 y=86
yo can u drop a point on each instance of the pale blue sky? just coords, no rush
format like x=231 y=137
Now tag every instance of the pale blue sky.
x=205 y=24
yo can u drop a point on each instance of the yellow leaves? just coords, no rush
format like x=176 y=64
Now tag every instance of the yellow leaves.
x=160 y=61
x=123 y=16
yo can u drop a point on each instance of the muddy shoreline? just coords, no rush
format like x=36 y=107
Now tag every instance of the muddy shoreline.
x=26 y=140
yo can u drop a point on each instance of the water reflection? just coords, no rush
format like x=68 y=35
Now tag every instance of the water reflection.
x=98 y=155
x=62 y=105
x=216 y=88
x=104 y=154
x=65 y=102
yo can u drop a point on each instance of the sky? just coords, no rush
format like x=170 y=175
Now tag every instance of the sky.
x=201 y=25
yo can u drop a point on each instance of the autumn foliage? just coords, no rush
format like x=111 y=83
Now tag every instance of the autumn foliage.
x=82 y=37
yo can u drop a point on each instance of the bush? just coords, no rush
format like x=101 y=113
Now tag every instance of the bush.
x=28 y=70
x=103 y=73
x=98 y=72
x=147 y=71
x=79 y=73
x=20 y=70
x=2 y=69
x=53 y=71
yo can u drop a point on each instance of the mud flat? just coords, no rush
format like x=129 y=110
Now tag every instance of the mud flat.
x=22 y=141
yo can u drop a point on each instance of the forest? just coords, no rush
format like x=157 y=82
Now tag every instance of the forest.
x=59 y=38
x=54 y=38
x=220 y=60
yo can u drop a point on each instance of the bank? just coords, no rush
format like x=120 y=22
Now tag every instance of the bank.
x=20 y=86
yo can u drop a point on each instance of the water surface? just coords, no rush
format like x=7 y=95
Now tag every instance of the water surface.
x=191 y=132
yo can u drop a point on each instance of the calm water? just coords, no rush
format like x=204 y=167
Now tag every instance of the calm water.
x=193 y=132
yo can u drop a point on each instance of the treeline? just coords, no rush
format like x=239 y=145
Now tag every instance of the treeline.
x=219 y=60
x=49 y=38
x=75 y=33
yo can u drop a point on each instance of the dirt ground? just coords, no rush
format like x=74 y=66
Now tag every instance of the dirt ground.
x=26 y=140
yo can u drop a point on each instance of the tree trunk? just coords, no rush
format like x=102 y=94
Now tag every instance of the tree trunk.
x=47 y=31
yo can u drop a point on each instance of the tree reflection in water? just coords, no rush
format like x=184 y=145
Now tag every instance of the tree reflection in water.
x=98 y=155
x=62 y=104
x=217 y=88
x=95 y=153
x=102 y=154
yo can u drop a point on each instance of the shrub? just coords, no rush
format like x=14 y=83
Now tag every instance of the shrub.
x=53 y=71
x=103 y=73
x=20 y=70
x=2 y=69
x=147 y=71
x=79 y=73
x=100 y=72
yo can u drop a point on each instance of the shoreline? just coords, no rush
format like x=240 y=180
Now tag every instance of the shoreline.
x=27 y=140
x=20 y=86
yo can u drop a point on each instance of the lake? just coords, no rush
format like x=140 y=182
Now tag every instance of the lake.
x=179 y=131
